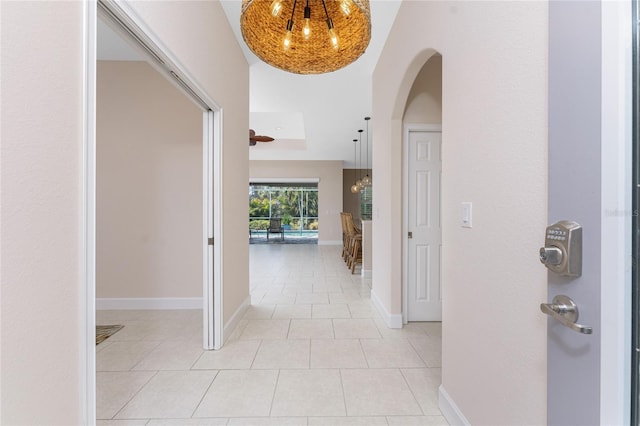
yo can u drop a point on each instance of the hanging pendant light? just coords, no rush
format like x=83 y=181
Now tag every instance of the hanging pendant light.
x=366 y=181
x=355 y=188
x=304 y=40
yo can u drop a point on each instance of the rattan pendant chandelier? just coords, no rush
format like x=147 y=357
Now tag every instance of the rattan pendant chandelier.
x=306 y=36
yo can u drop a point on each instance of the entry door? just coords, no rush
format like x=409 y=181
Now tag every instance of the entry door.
x=581 y=184
x=424 y=235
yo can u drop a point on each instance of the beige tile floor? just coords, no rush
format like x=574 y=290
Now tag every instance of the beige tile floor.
x=311 y=350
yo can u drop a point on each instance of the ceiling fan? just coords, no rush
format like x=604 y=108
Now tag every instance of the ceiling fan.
x=253 y=138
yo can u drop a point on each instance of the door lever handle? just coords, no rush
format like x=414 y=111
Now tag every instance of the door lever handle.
x=565 y=310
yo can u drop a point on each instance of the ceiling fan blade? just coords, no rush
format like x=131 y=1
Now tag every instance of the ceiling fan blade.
x=258 y=138
x=253 y=138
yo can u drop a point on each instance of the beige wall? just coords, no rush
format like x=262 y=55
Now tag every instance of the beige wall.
x=149 y=185
x=494 y=155
x=424 y=104
x=329 y=190
x=41 y=247
x=42 y=185
x=198 y=33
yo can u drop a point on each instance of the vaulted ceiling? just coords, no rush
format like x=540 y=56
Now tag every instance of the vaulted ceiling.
x=311 y=117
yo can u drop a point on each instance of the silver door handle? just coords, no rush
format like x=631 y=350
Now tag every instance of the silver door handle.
x=565 y=310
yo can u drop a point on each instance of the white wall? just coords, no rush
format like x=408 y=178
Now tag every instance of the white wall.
x=41 y=170
x=149 y=185
x=494 y=57
x=41 y=250
x=329 y=190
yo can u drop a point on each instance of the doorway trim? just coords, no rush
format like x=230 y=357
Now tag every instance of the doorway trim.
x=168 y=65
x=408 y=128
x=618 y=215
x=88 y=274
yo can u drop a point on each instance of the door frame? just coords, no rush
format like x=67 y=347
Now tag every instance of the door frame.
x=616 y=259
x=178 y=74
x=408 y=128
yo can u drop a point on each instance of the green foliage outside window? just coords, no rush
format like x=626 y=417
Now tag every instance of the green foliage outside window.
x=288 y=203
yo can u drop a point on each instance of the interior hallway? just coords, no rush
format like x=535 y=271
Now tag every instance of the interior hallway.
x=311 y=350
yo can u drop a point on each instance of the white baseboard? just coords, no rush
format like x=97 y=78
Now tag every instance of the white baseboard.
x=330 y=243
x=149 y=303
x=450 y=410
x=391 y=320
x=233 y=322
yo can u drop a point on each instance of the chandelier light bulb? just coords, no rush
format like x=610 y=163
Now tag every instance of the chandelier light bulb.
x=276 y=8
x=287 y=40
x=355 y=189
x=345 y=7
x=334 y=38
x=288 y=35
x=306 y=29
x=332 y=34
x=366 y=181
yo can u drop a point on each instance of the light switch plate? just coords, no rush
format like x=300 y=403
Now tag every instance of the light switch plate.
x=467 y=214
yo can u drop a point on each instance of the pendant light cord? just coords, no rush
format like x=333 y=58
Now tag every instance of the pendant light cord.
x=367 y=120
x=360 y=136
x=355 y=162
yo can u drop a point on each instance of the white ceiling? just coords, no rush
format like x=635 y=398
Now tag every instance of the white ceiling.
x=312 y=117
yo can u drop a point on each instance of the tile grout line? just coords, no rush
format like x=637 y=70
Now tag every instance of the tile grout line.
x=134 y=395
x=364 y=354
x=275 y=389
x=344 y=394
x=204 y=394
x=255 y=355
x=193 y=364
x=411 y=390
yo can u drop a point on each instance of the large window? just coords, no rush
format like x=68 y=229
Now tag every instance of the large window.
x=295 y=204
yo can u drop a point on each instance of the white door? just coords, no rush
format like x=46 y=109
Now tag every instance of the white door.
x=424 y=235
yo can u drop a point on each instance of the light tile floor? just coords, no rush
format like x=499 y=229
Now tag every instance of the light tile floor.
x=311 y=350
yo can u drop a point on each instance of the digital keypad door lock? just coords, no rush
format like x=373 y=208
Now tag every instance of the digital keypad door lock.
x=562 y=251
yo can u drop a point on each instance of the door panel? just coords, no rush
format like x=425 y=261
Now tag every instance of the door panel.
x=423 y=184
x=573 y=372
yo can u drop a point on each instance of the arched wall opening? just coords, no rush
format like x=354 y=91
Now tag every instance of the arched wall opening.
x=422 y=141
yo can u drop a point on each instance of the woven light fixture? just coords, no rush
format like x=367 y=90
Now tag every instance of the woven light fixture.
x=306 y=36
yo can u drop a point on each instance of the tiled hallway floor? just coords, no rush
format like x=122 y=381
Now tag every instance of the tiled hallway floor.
x=311 y=350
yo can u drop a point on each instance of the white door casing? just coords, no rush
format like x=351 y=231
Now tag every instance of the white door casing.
x=423 y=231
x=212 y=230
